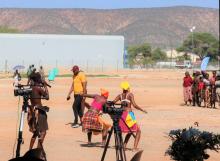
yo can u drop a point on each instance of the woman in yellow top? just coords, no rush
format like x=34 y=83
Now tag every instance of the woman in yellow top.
x=128 y=123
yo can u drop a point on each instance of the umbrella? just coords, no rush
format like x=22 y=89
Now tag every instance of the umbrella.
x=17 y=67
x=204 y=63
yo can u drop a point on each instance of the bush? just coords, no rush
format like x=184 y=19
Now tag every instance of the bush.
x=191 y=144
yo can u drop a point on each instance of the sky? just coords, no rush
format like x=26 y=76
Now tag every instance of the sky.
x=105 y=4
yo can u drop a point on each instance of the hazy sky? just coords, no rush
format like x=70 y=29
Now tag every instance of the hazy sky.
x=105 y=4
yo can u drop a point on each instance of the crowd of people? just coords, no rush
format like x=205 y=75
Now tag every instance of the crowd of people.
x=201 y=89
x=91 y=121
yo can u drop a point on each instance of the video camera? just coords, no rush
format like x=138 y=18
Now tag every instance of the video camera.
x=22 y=90
x=110 y=108
x=26 y=90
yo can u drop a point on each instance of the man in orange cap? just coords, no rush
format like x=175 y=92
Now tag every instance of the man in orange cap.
x=78 y=87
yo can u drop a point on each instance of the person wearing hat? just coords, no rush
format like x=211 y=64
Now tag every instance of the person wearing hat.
x=78 y=87
x=128 y=123
x=92 y=121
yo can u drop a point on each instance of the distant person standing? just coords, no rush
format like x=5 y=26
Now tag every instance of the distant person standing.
x=41 y=71
x=17 y=78
x=30 y=82
x=29 y=71
x=195 y=89
x=213 y=89
x=78 y=87
x=217 y=87
x=187 y=88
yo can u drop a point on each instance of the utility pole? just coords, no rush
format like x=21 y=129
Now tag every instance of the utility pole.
x=56 y=63
x=192 y=31
x=87 y=65
x=102 y=65
x=6 y=66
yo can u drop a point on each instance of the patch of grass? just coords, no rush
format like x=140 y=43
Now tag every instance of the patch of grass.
x=89 y=75
x=24 y=75
x=5 y=29
x=101 y=75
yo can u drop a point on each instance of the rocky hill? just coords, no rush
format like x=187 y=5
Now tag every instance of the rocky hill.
x=162 y=27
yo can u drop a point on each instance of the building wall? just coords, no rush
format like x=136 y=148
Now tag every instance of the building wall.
x=62 y=50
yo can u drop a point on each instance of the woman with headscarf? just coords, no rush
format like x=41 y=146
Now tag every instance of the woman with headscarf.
x=92 y=121
x=187 y=88
x=128 y=122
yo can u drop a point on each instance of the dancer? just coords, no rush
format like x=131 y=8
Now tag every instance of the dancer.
x=92 y=121
x=128 y=123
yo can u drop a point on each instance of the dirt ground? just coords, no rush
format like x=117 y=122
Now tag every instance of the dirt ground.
x=159 y=92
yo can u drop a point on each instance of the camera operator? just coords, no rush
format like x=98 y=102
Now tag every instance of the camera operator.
x=30 y=80
x=128 y=123
x=37 y=117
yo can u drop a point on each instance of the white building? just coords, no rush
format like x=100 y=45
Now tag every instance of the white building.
x=62 y=50
x=174 y=54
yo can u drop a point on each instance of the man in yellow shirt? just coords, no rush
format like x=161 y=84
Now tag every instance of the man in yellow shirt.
x=78 y=87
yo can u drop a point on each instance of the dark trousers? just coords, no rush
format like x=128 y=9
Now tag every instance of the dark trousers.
x=196 y=99
x=77 y=109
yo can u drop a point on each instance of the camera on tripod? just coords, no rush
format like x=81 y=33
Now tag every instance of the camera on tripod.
x=110 y=108
x=22 y=90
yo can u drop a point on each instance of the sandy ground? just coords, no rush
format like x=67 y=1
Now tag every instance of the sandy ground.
x=160 y=93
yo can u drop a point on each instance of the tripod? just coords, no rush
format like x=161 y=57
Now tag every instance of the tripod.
x=20 y=132
x=119 y=146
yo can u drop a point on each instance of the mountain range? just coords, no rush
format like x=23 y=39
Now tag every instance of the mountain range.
x=162 y=27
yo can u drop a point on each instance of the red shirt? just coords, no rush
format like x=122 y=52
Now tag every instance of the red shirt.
x=201 y=85
x=187 y=81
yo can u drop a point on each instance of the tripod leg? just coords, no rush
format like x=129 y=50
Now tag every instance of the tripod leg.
x=122 y=147
x=127 y=137
x=120 y=152
x=20 y=139
x=106 y=145
x=117 y=147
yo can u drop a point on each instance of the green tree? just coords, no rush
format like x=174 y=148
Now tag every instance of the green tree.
x=4 y=29
x=201 y=44
x=139 y=55
x=159 y=55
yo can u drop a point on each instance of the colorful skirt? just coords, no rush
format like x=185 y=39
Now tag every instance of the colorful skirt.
x=128 y=122
x=93 y=122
